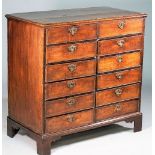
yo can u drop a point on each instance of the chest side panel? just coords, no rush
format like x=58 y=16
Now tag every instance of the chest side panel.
x=25 y=73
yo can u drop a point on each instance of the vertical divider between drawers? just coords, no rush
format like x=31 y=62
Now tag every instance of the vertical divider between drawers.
x=97 y=34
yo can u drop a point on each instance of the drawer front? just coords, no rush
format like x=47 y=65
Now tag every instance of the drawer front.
x=111 y=28
x=70 y=51
x=116 y=110
x=70 y=104
x=69 y=87
x=69 y=121
x=118 y=94
x=70 y=70
x=118 y=78
x=120 y=45
x=71 y=33
x=120 y=61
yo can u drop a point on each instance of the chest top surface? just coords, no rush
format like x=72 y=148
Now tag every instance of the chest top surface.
x=73 y=15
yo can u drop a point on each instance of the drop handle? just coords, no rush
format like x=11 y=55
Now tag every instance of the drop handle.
x=71 y=101
x=73 y=30
x=119 y=58
x=118 y=91
x=72 y=48
x=71 y=84
x=71 y=118
x=120 y=43
x=118 y=107
x=121 y=25
x=119 y=76
x=71 y=67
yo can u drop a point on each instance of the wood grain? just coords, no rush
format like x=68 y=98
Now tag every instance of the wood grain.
x=111 y=63
x=61 y=52
x=109 y=96
x=61 y=123
x=132 y=26
x=111 y=46
x=80 y=102
x=25 y=74
x=61 y=34
x=118 y=78
x=64 y=71
x=74 y=15
x=115 y=110
x=61 y=89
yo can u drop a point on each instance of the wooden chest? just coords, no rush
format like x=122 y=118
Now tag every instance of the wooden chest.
x=73 y=70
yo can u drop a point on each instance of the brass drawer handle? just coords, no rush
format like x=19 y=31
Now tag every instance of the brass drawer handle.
x=119 y=58
x=119 y=76
x=120 y=43
x=72 y=48
x=118 y=91
x=71 y=101
x=70 y=84
x=118 y=108
x=71 y=67
x=73 y=30
x=70 y=118
x=121 y=25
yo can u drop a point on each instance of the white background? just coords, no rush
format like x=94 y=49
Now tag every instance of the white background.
x=108 y=140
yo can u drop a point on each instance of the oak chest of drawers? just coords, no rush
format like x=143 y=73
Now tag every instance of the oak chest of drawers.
x=73 y=70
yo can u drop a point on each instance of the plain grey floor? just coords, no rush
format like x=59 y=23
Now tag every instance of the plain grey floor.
x=115 y=139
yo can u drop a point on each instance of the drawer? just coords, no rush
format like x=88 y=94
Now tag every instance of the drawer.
x=70 y=70
x=69 y=87
x=118 y=94
x=70 y=33
x=115 y=110
x=67 y=52
x=111 y=28
x=70 y=104
x=118 y=78
x=69 y=121
x=119 y=45
x=120 y=61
